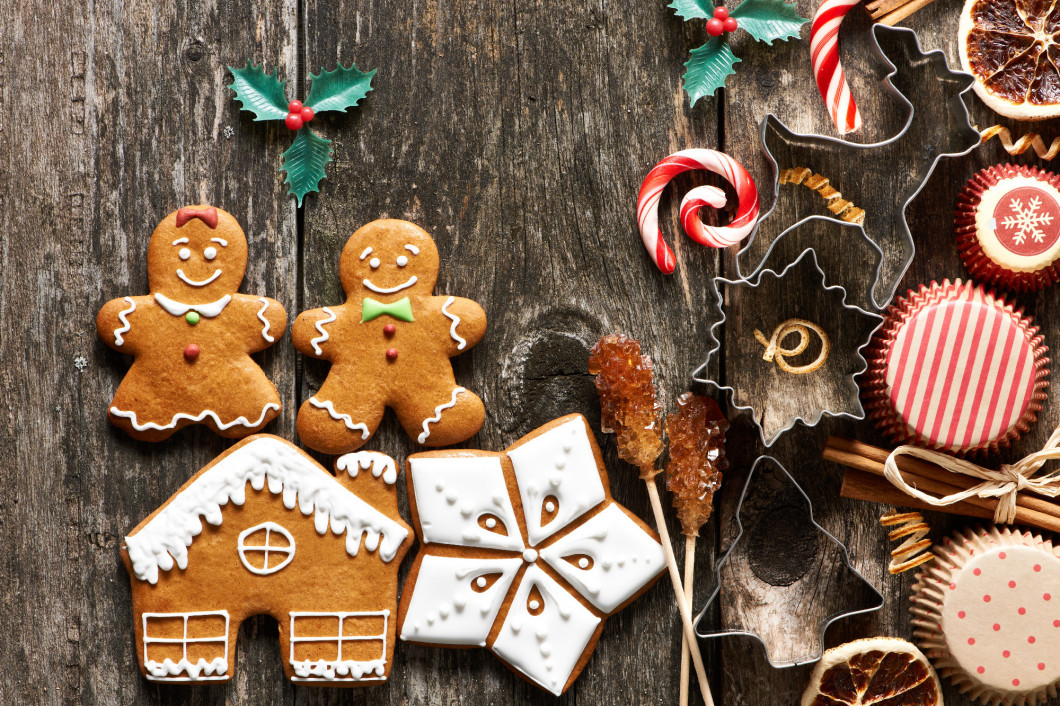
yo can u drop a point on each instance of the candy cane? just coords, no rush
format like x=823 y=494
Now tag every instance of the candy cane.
x=824 y=52
x=716 y=237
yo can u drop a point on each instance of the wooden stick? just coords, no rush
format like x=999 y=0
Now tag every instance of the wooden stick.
x=690 y=562
x=682 y=604
x=858 y=485
x=893 y=18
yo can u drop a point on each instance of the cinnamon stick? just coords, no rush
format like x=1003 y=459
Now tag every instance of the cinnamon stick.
x=893 y=18
x=859 y=485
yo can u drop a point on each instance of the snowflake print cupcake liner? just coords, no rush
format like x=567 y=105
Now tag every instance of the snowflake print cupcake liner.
x=987 y=614
x=1008 y=227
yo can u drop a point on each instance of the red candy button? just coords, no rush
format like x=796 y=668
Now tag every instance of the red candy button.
x=389 y=329
x=191 y=352
x=391 y=354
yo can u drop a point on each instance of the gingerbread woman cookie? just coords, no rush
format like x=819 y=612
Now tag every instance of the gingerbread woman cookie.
x=192 y=337
x=389 y=345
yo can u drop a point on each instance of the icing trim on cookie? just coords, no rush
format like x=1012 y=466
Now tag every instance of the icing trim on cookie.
x=380 y=290
x=261 y=317
x=176 y=308
x=200 y=670
x=118 y=340
x=319 y=326
x=456 y=322
x=181 y=241
x=270 y=527
x=241 y=421
x=366 y=253
x=438 y=414
x=412 y=249
x=381 y=465
x=198 y=283
x=282 y=469
x=331 y=670
x=220 y=241
x=339 y=416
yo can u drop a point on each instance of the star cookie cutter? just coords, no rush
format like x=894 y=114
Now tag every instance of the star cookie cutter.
x=937 y=124
x=829 y=390
x=785 y=600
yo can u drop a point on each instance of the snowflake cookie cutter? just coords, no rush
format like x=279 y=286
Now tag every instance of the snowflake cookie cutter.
x=785 y=600
x=829 y=390
x=937 y=120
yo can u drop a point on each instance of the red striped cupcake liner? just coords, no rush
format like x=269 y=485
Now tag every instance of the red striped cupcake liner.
x=954 y=367
x=1007 y=223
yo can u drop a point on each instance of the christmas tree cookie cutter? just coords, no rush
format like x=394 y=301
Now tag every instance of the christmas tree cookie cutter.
x=784 y=599
x=937 y=125
x=801 y=292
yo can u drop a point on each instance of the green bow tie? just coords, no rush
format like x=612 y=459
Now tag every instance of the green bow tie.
x=371 y=309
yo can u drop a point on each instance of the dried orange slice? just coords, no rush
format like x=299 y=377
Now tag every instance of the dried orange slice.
x=881 y=671
x=1010 y=46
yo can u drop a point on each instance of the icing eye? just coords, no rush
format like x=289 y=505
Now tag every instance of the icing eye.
x=549 y=509
x=184 y=253
x=491 y=522
x=210 y=253
x=535 y=603
x=582 y=561
x=483 y=583
x=402 y=261
x=374 y=263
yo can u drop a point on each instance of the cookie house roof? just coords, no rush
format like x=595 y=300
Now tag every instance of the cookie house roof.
x=264 y=462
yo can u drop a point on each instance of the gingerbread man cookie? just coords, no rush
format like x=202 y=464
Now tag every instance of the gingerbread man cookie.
x=192 y=337
x=389 y=345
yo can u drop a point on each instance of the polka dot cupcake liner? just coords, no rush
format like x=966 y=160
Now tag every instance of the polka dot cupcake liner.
x=987 y=614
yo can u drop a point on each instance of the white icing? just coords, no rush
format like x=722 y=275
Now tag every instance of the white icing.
x=402 y=261
x=168 y=668
x=412 y=249
x=319 y=325
x=126 y=326
x=340 y=417
x=176 y=308
x=323 y=670
x=380 y=290
x=560 y=463
x=374 y=263
x=490 y=523
x=461 y=342
x=220 y=241
x=367 y=252
x=181 y=241
x=452 y=493
x=197 y=283
x=380 y=464
x=610 y=537
x=266 y=462
x=550 y=506
x=447 y=610
x=179 y=416
x=583 y=563
x=266 y=550
x=530 y=555
x=210 y=253
x=201 y=669
x=545 y=647
x=184 y=253
x=264 y=321
x=438 y=415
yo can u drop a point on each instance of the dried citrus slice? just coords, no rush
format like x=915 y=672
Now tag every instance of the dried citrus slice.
x=1011 y=47
x=881 y=671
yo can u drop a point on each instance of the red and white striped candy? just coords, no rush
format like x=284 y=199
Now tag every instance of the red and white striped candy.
x=716 y=237
x=824 y=51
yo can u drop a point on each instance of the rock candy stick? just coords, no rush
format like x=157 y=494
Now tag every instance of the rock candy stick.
x=827 y=71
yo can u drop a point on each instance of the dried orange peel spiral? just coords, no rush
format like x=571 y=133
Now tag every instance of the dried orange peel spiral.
x=833 y=199
x=775 y=349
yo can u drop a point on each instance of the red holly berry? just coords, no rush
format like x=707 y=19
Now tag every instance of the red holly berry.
x=307 y=114
x=721 y=13
x=293 y=121
x=730 y=24
x=294 y=107
x=715 y=28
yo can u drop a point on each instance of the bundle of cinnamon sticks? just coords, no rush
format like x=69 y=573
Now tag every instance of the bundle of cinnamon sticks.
x=891 y=12
x=866 y=481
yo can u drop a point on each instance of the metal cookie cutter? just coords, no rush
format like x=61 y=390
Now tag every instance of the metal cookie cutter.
x=785 y=579
x=800 y=293
x=881 y=178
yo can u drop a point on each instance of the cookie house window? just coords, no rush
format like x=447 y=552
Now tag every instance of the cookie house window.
x=342 y=645
x=265 y=548
x=186 y=646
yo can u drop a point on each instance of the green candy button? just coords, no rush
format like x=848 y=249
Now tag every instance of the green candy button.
x=192 y=317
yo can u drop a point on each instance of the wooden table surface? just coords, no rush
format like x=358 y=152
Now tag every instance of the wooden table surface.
x=517 y=133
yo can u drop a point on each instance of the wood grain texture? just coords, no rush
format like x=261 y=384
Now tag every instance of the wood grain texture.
x=517 y=133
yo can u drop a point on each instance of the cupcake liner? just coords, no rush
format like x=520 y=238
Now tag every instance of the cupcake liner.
x=984 y=615
x=969 y=374
x=985 y=255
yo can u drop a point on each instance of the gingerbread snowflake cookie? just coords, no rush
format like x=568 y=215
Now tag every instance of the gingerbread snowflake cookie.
x=389 y=345
x=192 y=336
x=265 y=529
x=524 y=552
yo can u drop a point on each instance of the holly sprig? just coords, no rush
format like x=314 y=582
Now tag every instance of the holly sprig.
x=265 y=96
x=710 y=64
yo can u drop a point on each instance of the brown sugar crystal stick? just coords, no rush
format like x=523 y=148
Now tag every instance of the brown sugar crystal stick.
x=629 y=410
x=697 y=458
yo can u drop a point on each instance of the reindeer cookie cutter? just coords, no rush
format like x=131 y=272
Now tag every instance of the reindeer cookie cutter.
x=813 y=577
x=937 y=116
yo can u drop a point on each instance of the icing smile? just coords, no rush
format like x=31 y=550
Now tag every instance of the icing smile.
x=204 y=282
x=367 y=283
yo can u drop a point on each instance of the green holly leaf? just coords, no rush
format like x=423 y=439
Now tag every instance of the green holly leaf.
x=258 y=92
x=705 y=72
x=693 y=9
x=768 y=20
x=339 y=89
x=304 y=162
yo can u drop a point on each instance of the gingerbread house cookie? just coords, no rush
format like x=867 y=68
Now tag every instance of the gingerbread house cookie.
x=264 y=529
